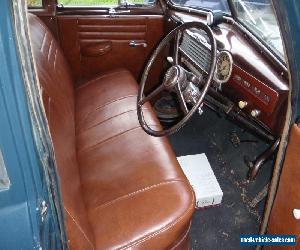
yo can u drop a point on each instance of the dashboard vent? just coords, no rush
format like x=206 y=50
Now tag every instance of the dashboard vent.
x=195 y=50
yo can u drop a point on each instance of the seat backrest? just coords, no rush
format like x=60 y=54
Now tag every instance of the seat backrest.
x=57 y=91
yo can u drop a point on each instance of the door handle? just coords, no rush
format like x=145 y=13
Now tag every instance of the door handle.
x=135 y=44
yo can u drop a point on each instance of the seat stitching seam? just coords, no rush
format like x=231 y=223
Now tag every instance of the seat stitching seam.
x=103 y=121
x=112 y=101
x=55 y=59
x=115 y=100
x=49 y=50
x=167 y=227
x=99 y=123
x=108 y=103
x=100 y=77
x=99 y=143
x=129 y=195
x=170 y=225
x=112 y=137
x=79 y=227
x=183 y=238
x=43 y=41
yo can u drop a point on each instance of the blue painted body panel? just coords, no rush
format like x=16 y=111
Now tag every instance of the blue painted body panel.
x=20 y=221
x=21 y=226
x=288 y=13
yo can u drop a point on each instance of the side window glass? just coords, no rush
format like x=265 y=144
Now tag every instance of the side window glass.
x=104 y=3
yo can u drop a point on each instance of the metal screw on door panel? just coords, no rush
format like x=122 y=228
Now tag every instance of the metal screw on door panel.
x=296 y=213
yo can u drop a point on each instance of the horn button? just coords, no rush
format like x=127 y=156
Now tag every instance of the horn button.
x=175 y=76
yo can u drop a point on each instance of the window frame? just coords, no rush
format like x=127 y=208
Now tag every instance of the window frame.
x=62 y=8
x=121 y=10
x=52 y=8
x=48 y=8
x=198 y=9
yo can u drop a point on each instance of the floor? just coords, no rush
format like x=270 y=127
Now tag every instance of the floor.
x=220 y=227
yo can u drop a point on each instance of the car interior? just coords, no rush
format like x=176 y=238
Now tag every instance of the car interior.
x=128 y=89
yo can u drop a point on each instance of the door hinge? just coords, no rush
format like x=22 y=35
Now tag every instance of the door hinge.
x=43 y=210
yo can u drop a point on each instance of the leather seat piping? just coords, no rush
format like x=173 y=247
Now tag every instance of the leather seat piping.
x=167 y=227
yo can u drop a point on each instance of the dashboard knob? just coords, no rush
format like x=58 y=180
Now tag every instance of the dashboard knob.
x=242 y=104
x=255 y=113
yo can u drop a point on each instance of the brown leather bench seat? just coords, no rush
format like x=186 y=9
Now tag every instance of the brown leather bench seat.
x=121 y=188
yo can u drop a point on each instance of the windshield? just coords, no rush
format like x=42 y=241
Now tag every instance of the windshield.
x=258 y=16
x=221 y=5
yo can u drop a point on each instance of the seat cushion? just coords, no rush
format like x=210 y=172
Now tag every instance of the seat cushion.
x=135 y=192
x=121 y=188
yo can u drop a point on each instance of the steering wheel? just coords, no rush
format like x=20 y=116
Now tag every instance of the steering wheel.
x=178 y=80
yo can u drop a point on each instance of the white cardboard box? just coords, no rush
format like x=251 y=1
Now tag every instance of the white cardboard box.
x=202 y=178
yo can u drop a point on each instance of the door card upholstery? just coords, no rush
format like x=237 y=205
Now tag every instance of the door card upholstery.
x=287 y=198
x=110 y=36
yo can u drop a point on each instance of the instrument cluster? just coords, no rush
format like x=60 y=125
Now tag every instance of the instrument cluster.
x=195 y=50
x=223 y=67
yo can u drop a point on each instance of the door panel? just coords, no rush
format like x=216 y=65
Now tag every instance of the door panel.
x=79 y=34
x=287 y=198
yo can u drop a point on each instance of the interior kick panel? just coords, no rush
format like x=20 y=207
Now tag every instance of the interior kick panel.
x=283 y=218
x=79 y=34
x=255 y=81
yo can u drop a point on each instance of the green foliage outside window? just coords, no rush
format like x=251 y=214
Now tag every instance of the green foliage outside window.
x=35 y=3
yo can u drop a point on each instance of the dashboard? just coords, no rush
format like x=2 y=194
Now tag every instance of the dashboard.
x=195 y=54
x=251 y=84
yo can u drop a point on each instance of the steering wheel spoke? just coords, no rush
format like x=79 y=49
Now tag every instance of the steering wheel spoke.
x=154 y=93
x=176 y=47
x=181 y=100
